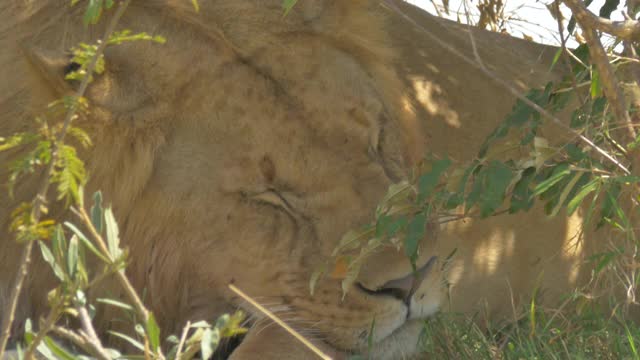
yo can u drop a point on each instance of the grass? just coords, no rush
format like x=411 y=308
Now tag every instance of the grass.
x=541 y=334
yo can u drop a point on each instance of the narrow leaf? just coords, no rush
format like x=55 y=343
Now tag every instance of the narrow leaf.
x=415 y=233
x=97 y=214
x=558 y=174
x=47 y=255
x=113 y=237
x=57 y=350
x=115 y=303
x=153 y=331
x=85 y=241
x=205 y=344
x=72 y=256
x=287 y=5
x=135 y=343
x=587 y=189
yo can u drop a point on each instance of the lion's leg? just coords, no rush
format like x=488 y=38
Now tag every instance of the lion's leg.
x=270 y=341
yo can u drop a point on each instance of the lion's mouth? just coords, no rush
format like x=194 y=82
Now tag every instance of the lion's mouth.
x=402 y=288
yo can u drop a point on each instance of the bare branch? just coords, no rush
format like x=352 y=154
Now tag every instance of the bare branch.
x=626 y=29
x=599 y=56
x=90 y=335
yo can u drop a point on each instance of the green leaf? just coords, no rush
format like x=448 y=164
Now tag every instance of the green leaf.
x=587 y=189
x=80 y=135
x=415 y=233
x=558 y=174
x=135 y=343
x=97 y=214
x=58 y=243
x=428 y=181
x=556 y=57
x=596 y=87
x=196 y=5
x=72 y=256
x=19 y=139
x=113 y=237
x=565 y=192
x=498 y=179
x=209 y=342
x=608 y=204
x=69 y=173
x=86 y=241
x=44 y=350
x=287 y=5
x=47 y=255
x=200 y=324
x=57 y=350
x=390 y=226
x=93 y=12
x=353 y=238
x=153 y=331
x=28 y=332
x=608 y=7
x=396 y=194
x=115 y=303
x=521 y=198
x=626 y=179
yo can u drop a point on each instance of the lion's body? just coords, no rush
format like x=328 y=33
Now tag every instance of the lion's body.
x=242 y=150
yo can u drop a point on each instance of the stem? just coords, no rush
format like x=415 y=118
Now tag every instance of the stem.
x=40 y=198
x=183 y=338
x=48 y=325
x=90 y=334
x=120 y=275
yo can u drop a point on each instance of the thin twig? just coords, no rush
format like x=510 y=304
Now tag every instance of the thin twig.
x=505 y=84
x=40 y=198
x=45 y=327
x=566 y=52
x=277 y=320
x=74 y=338
x=131 y=292
x=183 y=338
x=90 y=334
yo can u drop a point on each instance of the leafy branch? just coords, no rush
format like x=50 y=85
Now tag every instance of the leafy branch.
x=40 y=198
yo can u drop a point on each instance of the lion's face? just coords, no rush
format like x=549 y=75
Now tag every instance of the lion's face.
x=242 y=161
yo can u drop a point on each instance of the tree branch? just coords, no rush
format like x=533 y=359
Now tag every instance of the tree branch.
x=599 y=57
x=40 y=198
x=626 y=29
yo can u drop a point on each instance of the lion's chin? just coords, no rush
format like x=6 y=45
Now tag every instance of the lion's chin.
x=402 y=343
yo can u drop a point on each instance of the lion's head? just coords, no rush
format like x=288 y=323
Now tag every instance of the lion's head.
x=240 y=151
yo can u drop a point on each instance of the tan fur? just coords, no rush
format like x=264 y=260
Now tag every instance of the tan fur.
x=246 y=146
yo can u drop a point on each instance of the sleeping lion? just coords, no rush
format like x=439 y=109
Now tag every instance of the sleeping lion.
x=243 y=149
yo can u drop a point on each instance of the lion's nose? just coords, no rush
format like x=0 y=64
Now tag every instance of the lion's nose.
x=404 y=288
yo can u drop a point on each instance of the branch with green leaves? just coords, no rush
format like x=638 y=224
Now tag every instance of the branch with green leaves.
x=67 y=257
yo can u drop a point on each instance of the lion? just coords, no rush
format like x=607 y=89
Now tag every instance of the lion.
x=243 y=149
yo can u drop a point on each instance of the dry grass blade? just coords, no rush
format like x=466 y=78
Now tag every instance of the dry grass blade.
x=277 y=320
